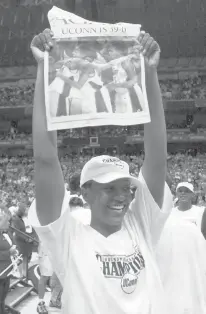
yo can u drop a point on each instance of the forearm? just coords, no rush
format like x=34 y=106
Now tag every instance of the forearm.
x=69 y=81
x=155 y=144
x=126 y=84
x=155 y=138
x=44 y=142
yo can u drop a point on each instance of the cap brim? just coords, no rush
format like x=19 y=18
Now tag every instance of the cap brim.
x=113 y=176
x=183 y=186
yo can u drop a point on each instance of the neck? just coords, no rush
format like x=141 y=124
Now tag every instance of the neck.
x=183 y=206
x=105 y=230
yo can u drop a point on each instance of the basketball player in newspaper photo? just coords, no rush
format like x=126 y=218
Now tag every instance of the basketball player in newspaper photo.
x=78 y=86
x=108 y=266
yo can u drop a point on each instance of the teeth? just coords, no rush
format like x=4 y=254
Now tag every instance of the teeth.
x=117 y=207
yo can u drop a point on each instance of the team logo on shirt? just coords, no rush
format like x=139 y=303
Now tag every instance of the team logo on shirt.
x=193 y=221
x=125 y=268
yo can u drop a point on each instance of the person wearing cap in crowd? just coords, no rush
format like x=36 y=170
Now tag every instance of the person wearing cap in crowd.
x=7 y=250
x=181 y=255
x=108 y=266
x=185 y=208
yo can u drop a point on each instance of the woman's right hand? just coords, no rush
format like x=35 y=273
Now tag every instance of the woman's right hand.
x=41 y=43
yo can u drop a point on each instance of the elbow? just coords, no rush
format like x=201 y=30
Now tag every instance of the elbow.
x=46 y=160
x=156 y=154
x=204 y=234
x=203 y=229
x=203 y=225
x=46 y=148
x=45 y=157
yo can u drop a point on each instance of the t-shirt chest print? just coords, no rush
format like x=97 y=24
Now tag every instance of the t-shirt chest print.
x=125 y=268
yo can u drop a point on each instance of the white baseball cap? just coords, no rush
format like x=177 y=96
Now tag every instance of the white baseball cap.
x=105 y=169
x=187 y=185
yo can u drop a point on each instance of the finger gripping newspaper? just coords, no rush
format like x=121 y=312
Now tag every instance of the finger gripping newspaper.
x=94 y=75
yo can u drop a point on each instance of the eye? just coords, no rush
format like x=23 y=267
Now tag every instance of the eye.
x=127 y=189
x=109 y=189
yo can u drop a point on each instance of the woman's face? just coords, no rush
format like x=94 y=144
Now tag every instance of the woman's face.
x=184 y=195
x=77 y=53
x=114 y=53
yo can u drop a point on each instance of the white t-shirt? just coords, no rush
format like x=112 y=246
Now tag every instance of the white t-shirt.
x=117 y=274
x=83 y=215
x=181 y=256
x=57 y=85
x=194 y=214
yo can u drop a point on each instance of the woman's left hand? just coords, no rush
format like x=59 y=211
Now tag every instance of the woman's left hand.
x=150 y=49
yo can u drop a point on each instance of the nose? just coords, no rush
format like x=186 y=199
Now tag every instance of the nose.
x=119 y=198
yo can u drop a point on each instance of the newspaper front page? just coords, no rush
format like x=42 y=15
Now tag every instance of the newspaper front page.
x=94 y=75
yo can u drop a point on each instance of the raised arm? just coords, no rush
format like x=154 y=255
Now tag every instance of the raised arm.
x=104 y=66
x=49 y=181
x=155 y=139
x=79 y=84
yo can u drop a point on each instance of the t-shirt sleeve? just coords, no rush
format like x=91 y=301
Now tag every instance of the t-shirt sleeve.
x=55 y=237
x=150 y=217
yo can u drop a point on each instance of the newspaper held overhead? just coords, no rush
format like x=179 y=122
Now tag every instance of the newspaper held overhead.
x=94 y=75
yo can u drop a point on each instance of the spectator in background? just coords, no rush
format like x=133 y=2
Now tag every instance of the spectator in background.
x=7 y=249
x=185 y=208
x=13 y=130
x=56 y=292
x=46 y=272
x=74 y=184
x=74 y=189
x=181 y=256
x=23 y=243
x=78 y=211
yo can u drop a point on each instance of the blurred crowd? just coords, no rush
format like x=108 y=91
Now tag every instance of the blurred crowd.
x=22 y=95
x=17 y=183
x=16 y=173
x=179 y=128
x=191 y=88
x=184 y=125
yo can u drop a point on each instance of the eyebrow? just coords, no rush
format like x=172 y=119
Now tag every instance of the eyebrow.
x=127 y=184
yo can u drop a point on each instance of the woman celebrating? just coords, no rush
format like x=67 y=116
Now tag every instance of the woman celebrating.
x=7 y=249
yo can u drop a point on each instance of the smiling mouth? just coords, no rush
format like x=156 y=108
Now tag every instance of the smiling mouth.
x=183 y=198
x=118 y=208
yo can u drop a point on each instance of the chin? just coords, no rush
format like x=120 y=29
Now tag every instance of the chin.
x=115 y=223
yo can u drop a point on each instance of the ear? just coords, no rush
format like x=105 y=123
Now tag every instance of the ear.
x=85 y=194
